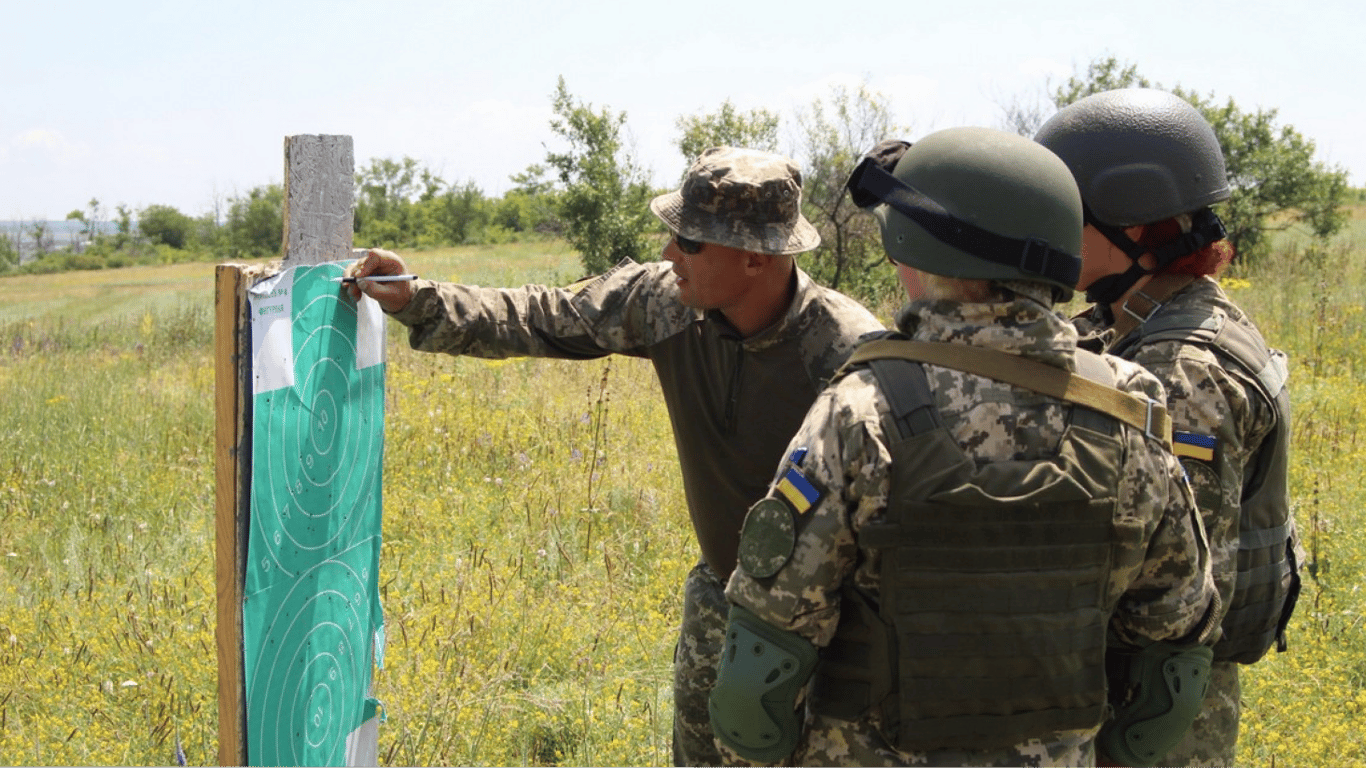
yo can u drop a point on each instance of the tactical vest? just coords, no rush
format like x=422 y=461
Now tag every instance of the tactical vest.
x=993 y=583
x=1268 y=581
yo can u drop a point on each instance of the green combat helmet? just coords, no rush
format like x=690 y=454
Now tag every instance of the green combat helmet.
x=1140 y=156
x=975 y=203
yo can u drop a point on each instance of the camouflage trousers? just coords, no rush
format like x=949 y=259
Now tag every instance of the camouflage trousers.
x=696 y=658
x=827 y=741
x=1214 y=734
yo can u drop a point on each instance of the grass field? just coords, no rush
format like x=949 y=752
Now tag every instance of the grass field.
x=535 y=536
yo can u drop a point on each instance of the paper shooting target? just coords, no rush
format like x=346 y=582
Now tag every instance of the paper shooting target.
x=311 y=613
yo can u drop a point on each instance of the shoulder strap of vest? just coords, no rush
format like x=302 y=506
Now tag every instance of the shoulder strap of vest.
x=1144 y=303
x=1147 y=415
x=908 y=395
x=1247 y=347
x=1212 y=327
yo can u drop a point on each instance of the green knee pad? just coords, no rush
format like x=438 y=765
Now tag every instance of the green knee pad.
x=1167 y=685
x=753 y=705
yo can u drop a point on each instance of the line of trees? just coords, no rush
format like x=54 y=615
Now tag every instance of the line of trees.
x=399 y=204
x=592 y=190
x=1275 y=180
x=1276 y=183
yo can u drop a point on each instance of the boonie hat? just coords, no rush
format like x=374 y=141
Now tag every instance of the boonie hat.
x=741 y=198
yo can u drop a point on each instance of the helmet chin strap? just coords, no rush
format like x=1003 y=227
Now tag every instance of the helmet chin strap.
x=1206 y=228
x=1111 y=288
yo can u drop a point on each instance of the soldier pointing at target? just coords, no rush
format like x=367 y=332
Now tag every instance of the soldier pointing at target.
x=741 y=339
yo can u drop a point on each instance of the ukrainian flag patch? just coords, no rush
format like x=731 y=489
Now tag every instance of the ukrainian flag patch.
x=795 y=487
x=1193 y=446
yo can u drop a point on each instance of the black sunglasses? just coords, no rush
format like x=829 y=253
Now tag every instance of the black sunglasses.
x=690 y=247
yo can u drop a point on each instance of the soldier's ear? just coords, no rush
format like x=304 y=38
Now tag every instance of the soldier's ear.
x=756 y=263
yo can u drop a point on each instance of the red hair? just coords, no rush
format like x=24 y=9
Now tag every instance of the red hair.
x=1209 y=260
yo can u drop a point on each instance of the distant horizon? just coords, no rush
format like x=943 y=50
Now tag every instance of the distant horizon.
x=65 y=225
x=64 y=234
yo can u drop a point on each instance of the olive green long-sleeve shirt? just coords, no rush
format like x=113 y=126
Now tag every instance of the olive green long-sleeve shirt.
x=734 y=402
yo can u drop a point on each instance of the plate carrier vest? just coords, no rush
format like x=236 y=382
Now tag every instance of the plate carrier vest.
x=1268 y=582
x=994 y=579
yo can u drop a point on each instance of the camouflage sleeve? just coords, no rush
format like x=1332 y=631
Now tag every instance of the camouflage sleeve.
x=1217 y=422
x=845 y=461
x=623 y=311
x=1163 y=563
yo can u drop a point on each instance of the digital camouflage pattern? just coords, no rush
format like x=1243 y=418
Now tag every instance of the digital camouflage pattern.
x=696 y=658
x=827 y=741
x=1161 y=585
x=733 y=402
x=1204 y=398
x=741 y=198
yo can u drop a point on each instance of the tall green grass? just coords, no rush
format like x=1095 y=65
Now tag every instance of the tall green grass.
x=1308 y=706
x=535 y=533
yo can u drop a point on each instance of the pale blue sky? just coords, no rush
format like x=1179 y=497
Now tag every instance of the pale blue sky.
x=182 y=102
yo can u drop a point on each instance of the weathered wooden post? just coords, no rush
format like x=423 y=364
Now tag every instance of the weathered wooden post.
x=232 y=417
x=319 y=198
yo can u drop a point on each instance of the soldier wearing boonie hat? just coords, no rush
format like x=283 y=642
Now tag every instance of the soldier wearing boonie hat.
x=743 y=199
x=742 y=341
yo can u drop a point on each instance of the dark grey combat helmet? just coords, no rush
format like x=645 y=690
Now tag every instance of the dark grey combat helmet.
x=1140 y=156
x=975 y=203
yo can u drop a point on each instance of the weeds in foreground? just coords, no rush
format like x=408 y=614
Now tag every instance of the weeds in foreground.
x=535 y=542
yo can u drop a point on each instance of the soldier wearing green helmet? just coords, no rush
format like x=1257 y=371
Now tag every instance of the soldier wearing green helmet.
x=974 y=511
x=1149 y=167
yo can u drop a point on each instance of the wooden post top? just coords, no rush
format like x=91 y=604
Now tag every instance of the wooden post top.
x=319 y=199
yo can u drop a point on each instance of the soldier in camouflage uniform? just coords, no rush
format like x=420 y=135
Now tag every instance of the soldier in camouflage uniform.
x=915 y=556
x=1149 y=165
x=742 y=341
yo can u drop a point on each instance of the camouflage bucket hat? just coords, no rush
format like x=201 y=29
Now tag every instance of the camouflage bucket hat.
x=740 y=198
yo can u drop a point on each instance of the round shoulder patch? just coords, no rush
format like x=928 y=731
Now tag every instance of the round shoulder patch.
x=1204 y=481
x=767 y=538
